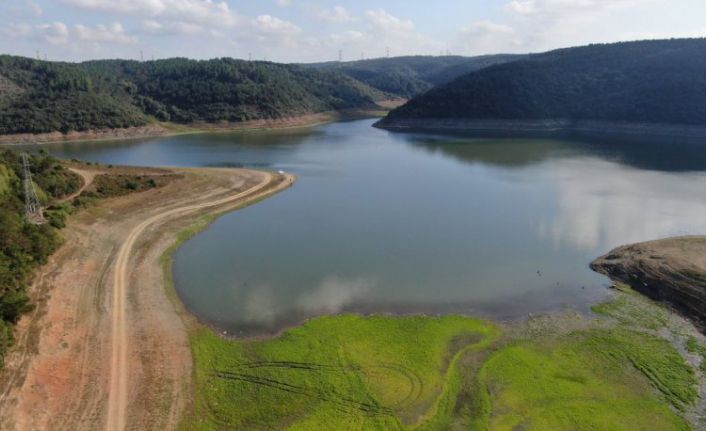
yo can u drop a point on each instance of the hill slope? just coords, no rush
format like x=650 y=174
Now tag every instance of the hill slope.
x=409 y=76
x=658 y=82
x=25 y=246
x=37 y=96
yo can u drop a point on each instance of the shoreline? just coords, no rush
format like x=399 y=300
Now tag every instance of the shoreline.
x=539 y=127
x=158 y=130
x=153 y=256
x=671 y=271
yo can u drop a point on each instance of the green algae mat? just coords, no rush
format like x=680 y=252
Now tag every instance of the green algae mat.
x=420 y=373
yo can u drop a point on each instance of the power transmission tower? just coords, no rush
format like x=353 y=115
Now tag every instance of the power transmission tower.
x=33 y=208
x=340 y=55
x=388 y=52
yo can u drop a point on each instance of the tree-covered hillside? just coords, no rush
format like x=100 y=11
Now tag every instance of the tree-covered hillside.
x=661 y=81
x=409 y=76
x=23 y=245
x=38 y=96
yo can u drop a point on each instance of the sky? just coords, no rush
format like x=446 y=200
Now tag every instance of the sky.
x=324 y=30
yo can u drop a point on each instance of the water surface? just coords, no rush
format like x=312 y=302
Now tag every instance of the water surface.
x=382 y=222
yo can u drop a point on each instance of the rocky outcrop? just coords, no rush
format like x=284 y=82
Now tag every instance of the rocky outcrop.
x=671 y=271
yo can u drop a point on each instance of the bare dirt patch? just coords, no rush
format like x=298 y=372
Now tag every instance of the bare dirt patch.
x=58 y=377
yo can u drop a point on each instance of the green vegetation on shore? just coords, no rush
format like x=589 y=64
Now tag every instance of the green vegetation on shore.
x=354 y=372
x=23 y=245
x=366 y=373
x=658 y=81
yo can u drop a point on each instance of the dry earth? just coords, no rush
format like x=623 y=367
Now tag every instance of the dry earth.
x=59 y=375
x=671 y=270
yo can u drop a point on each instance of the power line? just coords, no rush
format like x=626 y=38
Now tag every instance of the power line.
x=33 y=208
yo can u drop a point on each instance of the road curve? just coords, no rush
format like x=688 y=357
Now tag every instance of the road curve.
x=119 y=372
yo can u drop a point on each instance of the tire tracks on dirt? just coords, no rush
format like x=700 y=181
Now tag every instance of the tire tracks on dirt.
x=118 y=393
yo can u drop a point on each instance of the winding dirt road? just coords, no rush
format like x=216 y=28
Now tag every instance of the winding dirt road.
x=118 y=394
x=107 y=346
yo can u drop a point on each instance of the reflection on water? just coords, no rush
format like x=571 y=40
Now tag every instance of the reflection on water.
x=600 y=205
x=382 y=222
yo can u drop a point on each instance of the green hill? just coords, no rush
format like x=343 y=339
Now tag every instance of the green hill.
x=38 y=96
x=659 y=82
x=409 y=76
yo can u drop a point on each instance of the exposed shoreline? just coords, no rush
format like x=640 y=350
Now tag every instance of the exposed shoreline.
x=58 y=374
x=172 y=129
x=672 y=271
x=539 y=127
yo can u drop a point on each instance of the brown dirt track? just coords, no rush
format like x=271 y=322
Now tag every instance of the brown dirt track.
x=58 y=377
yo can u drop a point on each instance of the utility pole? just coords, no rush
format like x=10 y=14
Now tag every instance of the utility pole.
x=388 y=52
x=340 y=55
x=142 y=57
x=33 y=208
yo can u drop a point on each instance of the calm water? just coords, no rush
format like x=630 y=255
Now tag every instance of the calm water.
x=382 y=222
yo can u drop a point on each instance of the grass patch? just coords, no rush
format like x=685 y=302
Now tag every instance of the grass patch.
x=693 y=346
x=629 y=308
x=588 y=380
x=337 y=372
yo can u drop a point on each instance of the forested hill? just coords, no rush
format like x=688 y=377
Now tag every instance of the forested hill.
x=38 y=96
x=661 y=81
x=409 y=76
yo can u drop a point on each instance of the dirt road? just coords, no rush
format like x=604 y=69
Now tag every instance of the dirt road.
x=107 y=348
x=87 y=180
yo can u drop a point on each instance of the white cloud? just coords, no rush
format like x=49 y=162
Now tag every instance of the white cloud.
x=14 y=31
x=209 y=12
x=486 y=36
x=115 y=33
x=268 y=25
x=174 y=28
x=383 y=20
x=548 y=24
x=600 y=206
x=487 y=27
x=337 y=15
x=56 y=33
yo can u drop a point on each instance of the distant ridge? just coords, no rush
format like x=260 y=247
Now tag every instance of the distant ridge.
x=631 y=87
x=44 y=97
x=410 y=76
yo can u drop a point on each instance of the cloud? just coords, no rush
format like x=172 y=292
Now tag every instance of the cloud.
x=485 y=36
x=337 y=15
x=56 y=33
x=284 y=3
x=600 y=206
x=173 y=28
x=268 y=25
x=209 y=12
x=334 y=294
x=386 y=22
x=115 y=33
x=547 y=24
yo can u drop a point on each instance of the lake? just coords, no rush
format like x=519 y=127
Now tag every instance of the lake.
x=382 y=222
